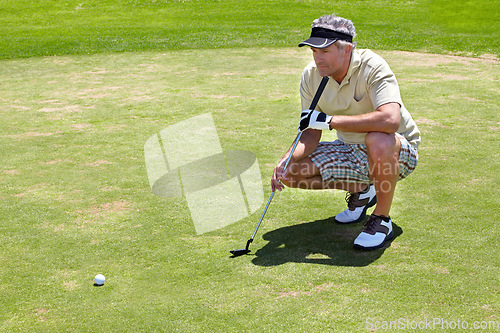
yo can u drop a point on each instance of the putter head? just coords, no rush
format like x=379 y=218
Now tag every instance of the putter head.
x=237 y=253
x=240 y=252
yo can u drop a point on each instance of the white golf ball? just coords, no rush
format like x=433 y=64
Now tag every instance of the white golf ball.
x=99 y=279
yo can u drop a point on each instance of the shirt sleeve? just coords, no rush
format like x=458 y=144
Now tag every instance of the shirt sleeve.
x=382 y=85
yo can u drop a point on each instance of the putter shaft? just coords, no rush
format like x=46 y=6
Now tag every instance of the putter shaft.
x=272 y=194
x=314 y=102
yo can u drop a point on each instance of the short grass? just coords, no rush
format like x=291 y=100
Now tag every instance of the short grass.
x=52 y=27
x=76 y=201
x=85 y=83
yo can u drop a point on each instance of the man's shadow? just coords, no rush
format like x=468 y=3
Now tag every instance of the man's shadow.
x=320 y=242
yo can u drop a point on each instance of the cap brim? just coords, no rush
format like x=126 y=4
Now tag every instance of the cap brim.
x=318 y=42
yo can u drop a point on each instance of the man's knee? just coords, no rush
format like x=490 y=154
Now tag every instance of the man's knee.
x=381 y=146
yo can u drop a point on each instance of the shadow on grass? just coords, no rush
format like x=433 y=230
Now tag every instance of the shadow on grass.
x=320 y=242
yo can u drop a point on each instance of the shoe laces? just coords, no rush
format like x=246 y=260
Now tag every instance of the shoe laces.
x=372 y=223
x=351 y=199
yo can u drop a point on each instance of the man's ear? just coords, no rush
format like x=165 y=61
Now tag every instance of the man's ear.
x=348 y=49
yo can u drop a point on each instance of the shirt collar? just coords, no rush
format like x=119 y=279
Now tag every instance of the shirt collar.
x=355 y=63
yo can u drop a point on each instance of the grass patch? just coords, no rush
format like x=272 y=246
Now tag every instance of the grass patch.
x=44 y=28
x=76 y=200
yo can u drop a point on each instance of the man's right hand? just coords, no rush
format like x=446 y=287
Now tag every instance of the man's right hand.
x=279 y=175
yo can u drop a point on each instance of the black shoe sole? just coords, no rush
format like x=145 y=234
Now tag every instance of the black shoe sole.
x=363 y=213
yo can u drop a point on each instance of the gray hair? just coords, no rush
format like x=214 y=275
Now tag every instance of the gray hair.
x=337 y=23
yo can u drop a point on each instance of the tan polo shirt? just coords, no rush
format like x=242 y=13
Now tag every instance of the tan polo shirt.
x=369 y=83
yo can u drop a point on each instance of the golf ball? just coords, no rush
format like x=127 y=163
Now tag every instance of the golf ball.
x=99 y=279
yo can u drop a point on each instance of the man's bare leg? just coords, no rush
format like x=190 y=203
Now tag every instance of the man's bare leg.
x=305 y=175
x=383 y=155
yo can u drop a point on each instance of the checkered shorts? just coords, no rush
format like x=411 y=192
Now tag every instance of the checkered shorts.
x=342 y=162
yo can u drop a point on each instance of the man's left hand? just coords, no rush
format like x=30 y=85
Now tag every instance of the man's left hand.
x=314 y=119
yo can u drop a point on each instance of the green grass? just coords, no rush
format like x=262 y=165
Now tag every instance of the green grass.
x=76 y=201
x=85 y=84
x=42 y=28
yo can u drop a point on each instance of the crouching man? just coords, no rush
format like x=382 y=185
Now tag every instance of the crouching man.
x=377 y=137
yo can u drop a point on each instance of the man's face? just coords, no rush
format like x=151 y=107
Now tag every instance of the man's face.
x=331 y=61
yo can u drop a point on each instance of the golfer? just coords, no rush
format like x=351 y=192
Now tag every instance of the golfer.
x=377 y=137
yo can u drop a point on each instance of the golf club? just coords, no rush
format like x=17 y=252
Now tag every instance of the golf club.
x=321 y=87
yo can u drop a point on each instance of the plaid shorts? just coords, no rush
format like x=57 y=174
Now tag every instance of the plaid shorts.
x=342 y=162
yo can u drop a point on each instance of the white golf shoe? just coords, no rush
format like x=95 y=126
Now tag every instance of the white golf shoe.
x=377 y=231
x=357 y=204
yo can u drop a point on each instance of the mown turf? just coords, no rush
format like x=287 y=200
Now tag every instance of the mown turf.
x=101 y=77
x=76 y=201
x=42 y=28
